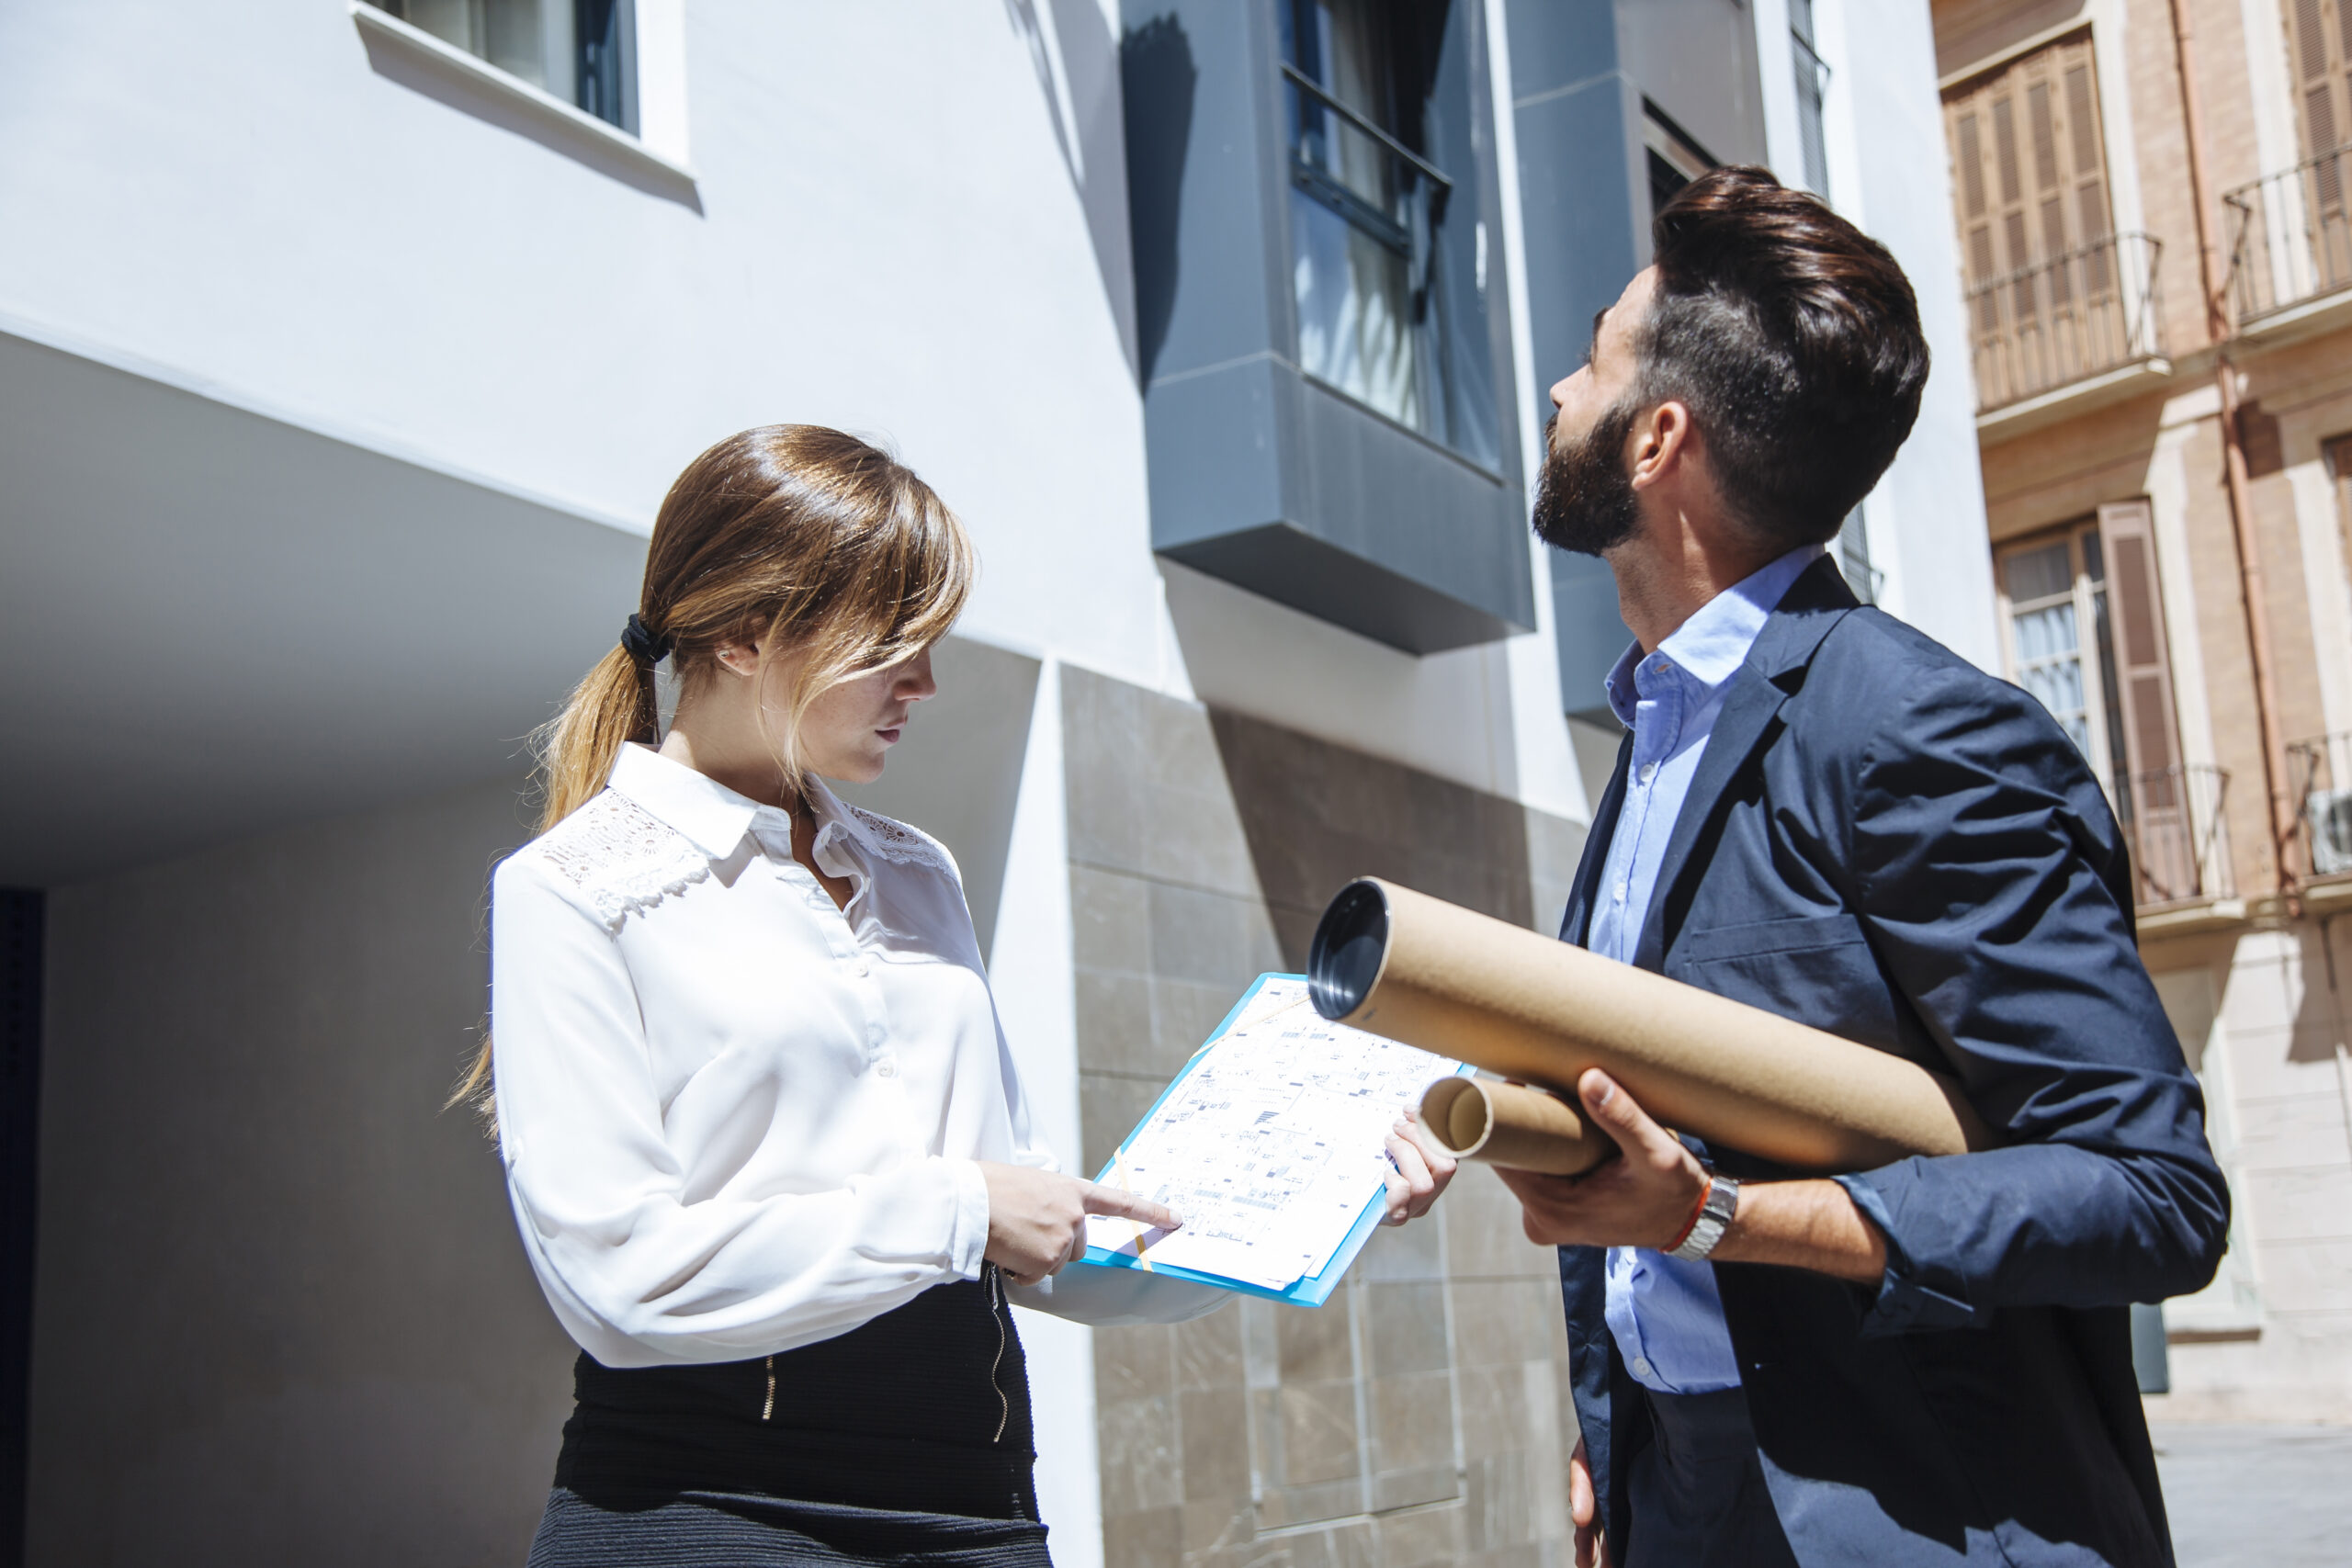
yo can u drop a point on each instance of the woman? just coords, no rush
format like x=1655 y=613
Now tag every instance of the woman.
x=764 y=1142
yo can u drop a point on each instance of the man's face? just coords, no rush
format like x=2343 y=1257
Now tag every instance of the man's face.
x=1585 y=502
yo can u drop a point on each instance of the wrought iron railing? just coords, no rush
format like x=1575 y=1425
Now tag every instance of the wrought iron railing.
x=2180 y=835
x=2319 y=771
x=2093 y=309
x=2290 y=235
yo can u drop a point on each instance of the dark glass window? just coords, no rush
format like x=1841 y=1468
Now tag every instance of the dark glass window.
x=1388 y=254
x=577 y=50
x=1674 y=160
x=1813 y=88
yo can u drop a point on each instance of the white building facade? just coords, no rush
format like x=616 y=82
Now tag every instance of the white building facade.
x=345 y=353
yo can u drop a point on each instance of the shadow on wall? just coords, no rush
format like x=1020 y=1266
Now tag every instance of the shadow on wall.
x=957 y=774
x=1316 y=816
x=1077 y=61
x=2319 y=1032
x=1156 y=70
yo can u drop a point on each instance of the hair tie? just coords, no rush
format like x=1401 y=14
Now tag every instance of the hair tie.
x=642 y=644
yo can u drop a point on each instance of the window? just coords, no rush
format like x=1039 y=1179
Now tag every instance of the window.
x=579 y=51
x=1812 y=87
x=2031 y=173
x=2319 y=45
x=2053 y=294
x=2085 y=635
x=1673 y=158
x=2060 y=643
x=1388 y=254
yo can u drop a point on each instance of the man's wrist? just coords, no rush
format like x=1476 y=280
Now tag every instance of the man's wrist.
x=1805 y=1224
x=1698 y=1211
x=1717 y=1205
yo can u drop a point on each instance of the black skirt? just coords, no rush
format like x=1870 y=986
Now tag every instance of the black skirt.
x=905 y=1441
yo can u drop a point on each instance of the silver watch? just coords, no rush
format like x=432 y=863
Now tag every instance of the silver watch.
x=1715 y=1217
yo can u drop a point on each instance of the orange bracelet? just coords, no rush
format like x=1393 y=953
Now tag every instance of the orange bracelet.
x=1692 y=1223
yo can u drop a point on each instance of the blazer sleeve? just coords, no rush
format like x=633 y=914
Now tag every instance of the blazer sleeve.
x=1994 y=887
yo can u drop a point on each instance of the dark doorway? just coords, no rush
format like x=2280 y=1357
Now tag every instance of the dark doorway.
x=21 y=919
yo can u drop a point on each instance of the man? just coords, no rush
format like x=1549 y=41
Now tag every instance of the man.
x=1821 y=811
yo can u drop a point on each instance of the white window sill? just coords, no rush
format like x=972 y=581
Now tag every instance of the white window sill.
x=551 y=112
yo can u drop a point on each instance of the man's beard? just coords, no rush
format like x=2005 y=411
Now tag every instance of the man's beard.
x=1584 y=500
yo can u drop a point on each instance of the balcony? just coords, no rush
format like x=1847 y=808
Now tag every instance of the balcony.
x=2291 y=244
x=2179 y=837
x=2319 y=772
x=2070 y=331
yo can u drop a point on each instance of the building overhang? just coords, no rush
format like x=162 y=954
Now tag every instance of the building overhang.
x=219 y=620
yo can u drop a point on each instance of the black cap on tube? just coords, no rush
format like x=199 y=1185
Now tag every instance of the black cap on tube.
x=1351 y=942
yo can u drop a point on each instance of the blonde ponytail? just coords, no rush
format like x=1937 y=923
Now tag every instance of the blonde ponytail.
x=613 y=705
x=791 y=536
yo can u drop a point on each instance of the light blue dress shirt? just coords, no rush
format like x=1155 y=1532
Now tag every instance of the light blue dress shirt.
x=1664 y=1312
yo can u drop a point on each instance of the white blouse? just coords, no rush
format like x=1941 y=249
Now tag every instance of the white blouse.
x=736 y=1119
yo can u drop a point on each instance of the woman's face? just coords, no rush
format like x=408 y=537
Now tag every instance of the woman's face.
x=848 y=731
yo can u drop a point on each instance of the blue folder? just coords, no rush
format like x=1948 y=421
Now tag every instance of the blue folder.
x=1312 y=1291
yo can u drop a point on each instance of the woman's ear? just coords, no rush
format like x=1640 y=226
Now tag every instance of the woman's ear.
x=738 y=658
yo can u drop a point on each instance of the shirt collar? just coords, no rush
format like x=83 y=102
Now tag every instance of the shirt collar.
x=714 y=817
x=1711 y=646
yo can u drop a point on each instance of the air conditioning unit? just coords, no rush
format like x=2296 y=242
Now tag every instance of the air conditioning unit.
x=2329 y=812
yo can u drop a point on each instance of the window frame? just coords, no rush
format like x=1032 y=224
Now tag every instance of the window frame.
x=398 y=47
x=1446 y=216
x=2318 y=37
x=2084 y=592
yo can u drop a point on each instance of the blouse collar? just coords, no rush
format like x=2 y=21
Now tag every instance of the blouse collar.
x=713 y=817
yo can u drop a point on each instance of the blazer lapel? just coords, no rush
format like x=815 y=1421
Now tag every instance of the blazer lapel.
x=1774 y=668
x=1576 y=923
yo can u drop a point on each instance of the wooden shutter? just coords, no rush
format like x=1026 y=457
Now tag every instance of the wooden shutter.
x=2319 y=49
x=2029 y=163
x=2142 y=665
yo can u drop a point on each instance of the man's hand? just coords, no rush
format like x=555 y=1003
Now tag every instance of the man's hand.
x=1644 y=1199
x=1423 y=1167
x=1584 y=1512
x=1648 y=1197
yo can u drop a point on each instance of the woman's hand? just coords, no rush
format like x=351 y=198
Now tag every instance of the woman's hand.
x=1037 y=1218
x=1423 y=1168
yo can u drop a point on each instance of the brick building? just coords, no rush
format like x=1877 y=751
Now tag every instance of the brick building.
x=2149 y=200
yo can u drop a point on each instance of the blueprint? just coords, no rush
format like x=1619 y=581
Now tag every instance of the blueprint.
x=1270 y=1144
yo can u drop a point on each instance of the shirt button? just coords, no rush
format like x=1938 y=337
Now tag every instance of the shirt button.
x=1642 y=1368
x=886 y=1068
x=1649 y=772
x=1618 y=893
x=864 y=968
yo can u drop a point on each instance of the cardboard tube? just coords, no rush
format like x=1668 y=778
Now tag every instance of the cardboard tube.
x=1509 y=1125
x=1523 y=1005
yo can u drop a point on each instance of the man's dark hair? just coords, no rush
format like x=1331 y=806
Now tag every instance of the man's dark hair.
x=1794 y=339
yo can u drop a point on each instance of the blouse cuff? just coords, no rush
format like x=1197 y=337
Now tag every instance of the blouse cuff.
x=967 y=1242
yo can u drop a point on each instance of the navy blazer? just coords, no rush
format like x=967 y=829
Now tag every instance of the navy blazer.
x=1884 y=841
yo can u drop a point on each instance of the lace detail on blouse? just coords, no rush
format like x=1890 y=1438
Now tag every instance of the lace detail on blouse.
x=620 y=857
x=894 y=840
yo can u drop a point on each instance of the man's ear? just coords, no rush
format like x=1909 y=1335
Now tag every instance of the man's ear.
x=1663 y=440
